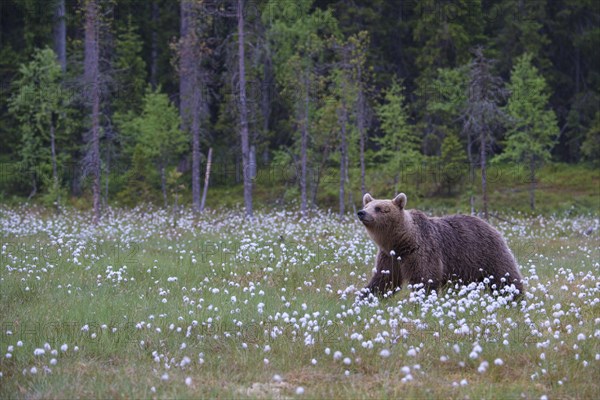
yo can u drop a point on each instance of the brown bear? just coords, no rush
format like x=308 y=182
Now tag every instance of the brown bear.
x=417 y=249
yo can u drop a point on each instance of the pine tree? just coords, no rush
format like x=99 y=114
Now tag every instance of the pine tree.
x=130 y=70
x=39 y=104
x=452 y=162
x=483 y=116
x=534 y=129
x=93 y=81
x=591 y=145
x=159 y=138
x=400 y=144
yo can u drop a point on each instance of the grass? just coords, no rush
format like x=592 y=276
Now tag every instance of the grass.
x=259 y=309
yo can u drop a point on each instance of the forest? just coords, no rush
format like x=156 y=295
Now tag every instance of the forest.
x=120 y=101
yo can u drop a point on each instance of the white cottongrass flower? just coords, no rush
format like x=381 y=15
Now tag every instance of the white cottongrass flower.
x=483 y=367
x=498 y=361
x=385 y=353
x=39 y=352
x=299 y=390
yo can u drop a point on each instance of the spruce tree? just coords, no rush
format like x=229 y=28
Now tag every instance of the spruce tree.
x=534 y=128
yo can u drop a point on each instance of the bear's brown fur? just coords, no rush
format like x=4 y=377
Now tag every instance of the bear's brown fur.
x=417 y=249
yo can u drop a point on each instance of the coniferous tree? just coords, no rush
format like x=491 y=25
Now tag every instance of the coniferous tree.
x=483 y=117
x=400 y=144
x=158 y=136
x=534 y=130
x=40 y=104
x=591 y=145
x=92 y=82
x=243 y=110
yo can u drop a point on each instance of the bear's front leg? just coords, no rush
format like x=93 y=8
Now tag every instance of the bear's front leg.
x=387 y=276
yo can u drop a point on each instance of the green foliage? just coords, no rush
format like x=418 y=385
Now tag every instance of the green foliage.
x=130 y=73
x=518 y=29
x=306 y=61
x=400 y=143
x=138 y=180
x=157 y=139
x=39 y=104
x=445 y=104
x=591 y=145
x=159 y=135
x=534 y=129
x=453 y=163
x=444 y=33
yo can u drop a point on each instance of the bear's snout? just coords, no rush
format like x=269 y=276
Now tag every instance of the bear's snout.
x=364 y=216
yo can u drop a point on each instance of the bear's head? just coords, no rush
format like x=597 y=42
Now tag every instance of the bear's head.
x=385 y=220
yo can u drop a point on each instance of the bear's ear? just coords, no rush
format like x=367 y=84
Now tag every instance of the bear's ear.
x=400 y=201
x=367 y=199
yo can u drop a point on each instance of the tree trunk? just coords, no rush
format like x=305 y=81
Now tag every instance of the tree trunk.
x=322 y=166
x=471 y=172
x=60 y=34
x=266 y=95
x=244 y=112
x=343 y=153
x=163 y=184
x=533 y=184
x=107 y=173
x=361 y=132
x=154 y=46
x=53 y=154
x=33 y=187
x=92 y=80
x=189 y=89
x=206 y=178
x=484 y=176
x=304 y=149
x=196 y=154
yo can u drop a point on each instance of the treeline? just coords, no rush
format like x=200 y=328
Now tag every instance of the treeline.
x=121 y=100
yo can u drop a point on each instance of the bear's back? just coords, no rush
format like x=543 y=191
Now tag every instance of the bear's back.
x=470 y=248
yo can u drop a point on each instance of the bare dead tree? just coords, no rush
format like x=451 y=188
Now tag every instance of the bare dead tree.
x=483 y=117
x=343 y=121
x=190 y=89
x=206 y=179
x=247 y=176
x=92 y=85
x=154 y=45
x=60 y=34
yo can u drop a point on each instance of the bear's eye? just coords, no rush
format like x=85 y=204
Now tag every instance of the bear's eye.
x=377 y=209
